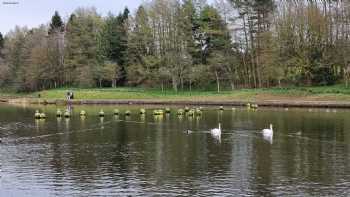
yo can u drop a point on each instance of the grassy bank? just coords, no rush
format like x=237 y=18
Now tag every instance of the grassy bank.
x=324 y=93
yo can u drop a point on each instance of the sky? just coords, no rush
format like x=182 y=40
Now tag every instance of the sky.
x=32 y=13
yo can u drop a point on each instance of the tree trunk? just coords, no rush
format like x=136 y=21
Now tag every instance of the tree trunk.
x=190 y=85
x=246 y=49
x=279 y=83
x=182 y=84
x=232 y=85
x=174 y=82
x=217 y=81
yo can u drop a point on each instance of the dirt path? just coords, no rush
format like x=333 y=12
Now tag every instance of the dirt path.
x=281 y=102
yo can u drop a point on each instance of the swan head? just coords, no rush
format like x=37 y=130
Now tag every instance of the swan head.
x=271 y=127
x=220 y=126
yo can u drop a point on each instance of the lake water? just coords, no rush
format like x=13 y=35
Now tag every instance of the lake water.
x=146 y=155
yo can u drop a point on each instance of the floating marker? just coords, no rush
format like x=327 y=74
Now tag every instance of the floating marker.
x=82 y=113
x=142 y=111
x=158 y=112
x=180 y=112
x=221 y=108
x=191 y=112
x=254 y=106
x=42 y=116
x=116 y=111
x=101 y=113
x=59 y=113
x=167 y=110
x=37 y=114
x=127 y=112
x=187 y=109
x=198 y=112
x=66 y=114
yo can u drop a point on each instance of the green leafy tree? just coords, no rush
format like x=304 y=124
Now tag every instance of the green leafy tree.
x=81 y=59
x=216 y=42
x=1 y=41
x=140 y=48
x=56 y=24
x=56 y=48
x=115 y=43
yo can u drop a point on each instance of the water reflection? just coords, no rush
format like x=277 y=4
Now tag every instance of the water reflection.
x=142 y=117
x=217 y=138
x=153 y=156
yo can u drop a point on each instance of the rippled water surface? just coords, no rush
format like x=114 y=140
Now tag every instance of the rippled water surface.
x=147 y=155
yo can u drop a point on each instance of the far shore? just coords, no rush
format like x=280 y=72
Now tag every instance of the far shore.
x=337 y=96
x=226 y=103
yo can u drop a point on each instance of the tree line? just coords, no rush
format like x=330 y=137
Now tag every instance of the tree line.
x=184 y=44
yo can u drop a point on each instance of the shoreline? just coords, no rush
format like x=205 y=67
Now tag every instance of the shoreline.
x=265 y=103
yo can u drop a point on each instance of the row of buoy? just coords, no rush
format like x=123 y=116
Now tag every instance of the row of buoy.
x=39 y=115
x=66 y=113
x=252 y=106
x=101 y=113
x=157 y=112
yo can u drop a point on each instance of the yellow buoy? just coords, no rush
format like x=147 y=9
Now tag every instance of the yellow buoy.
x=142 y=111
x=198 y=112
x=127 y=112
x=180 y=112
x=191 y=112
x=167 y=110
x=158 y=112
x=42 y=116
x=37 y=114
x=59 y=113
x=254 y=106
x=82 y=113
x=101 y=113
x=66 y=114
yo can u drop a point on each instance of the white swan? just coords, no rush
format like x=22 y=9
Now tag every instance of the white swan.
x=216 y=131
x=268 y=132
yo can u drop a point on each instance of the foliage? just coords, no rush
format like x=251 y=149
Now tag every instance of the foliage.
x=56 y=24
x=184 y=44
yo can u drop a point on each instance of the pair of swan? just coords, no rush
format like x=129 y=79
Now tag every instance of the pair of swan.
x=216 y=132
x=266 y=132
